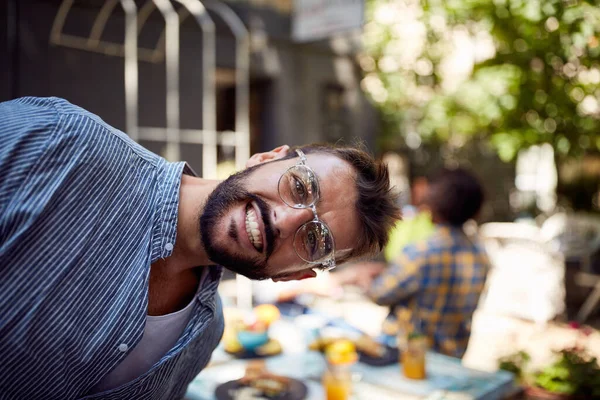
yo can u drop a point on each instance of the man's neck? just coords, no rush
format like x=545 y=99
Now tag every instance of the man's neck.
x=189 y=252
x=173 y=280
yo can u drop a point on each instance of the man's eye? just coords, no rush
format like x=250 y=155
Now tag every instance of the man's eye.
x=299 y=190
x=311 y=242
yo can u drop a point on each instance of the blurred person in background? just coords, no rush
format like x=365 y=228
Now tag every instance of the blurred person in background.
x=110 y=256
x=432 y=285
x=416 y=223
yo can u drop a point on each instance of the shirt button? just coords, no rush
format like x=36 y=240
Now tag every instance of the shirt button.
x=169 y=246
x=123 y=347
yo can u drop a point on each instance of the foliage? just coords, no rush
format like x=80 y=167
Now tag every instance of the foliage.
x=573 y=373
x=516 y=72
x=515 y=363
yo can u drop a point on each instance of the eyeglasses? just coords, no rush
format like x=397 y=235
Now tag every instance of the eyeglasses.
x=299 y=188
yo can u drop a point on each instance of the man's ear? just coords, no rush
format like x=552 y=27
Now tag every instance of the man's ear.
x=296 y=276
x=276 y=153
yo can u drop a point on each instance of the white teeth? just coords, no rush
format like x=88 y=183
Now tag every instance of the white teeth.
x=252 y=228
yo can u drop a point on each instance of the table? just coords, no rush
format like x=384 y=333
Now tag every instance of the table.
x=447 y=378
x=444 y=374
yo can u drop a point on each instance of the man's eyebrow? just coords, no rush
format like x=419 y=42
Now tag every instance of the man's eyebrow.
x=319 y=180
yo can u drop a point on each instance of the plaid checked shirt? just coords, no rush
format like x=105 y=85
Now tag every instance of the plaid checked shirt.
x=434 y=287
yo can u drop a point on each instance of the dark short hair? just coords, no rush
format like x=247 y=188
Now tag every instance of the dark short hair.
x=376 y=202
x=455 y=195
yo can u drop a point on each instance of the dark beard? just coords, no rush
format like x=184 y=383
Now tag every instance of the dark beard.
x=228 y=194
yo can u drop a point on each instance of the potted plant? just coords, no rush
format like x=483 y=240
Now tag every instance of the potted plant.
x=574 y=375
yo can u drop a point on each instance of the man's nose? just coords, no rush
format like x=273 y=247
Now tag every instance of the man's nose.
x=288 y=220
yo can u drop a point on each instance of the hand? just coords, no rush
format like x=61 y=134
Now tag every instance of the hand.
x=323 y=286
x=360 y=274
x=371 y=268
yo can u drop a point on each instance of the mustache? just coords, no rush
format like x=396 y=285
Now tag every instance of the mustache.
x=265 y=214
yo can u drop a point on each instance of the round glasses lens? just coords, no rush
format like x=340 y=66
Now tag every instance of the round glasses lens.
x=313 y=242
x=298 y=187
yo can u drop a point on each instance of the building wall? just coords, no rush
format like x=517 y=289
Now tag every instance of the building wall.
x=306 y=76
x=295 y=78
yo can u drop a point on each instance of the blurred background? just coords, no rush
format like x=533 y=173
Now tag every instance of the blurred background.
x=507 y=88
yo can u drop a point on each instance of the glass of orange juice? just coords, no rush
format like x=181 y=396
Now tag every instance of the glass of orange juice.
x=412 y=356
x=338 y=385
x=337 y=379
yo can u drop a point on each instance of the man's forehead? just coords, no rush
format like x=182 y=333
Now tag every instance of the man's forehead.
x=338 y=198
x=328 y=166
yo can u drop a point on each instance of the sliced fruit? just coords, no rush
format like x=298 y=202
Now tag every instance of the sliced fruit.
x=341 y=352
x=267 y=313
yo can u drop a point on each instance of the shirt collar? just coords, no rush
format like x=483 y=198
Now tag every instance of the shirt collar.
x=164 y=231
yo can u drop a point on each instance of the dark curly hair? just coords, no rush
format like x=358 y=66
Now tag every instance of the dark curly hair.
x=454 y=195
x=376 y=203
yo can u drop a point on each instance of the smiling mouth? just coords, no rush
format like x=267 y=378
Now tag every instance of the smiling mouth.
x=252 y=228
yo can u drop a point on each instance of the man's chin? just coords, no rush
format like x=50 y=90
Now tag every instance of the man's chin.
x=254 y=273
x=220 y=254
x=250 y=269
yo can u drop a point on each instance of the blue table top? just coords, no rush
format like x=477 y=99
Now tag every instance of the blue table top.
x=444 y=374
x=446 y=377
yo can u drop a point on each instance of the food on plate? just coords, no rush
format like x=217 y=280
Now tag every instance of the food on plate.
x=321 y=343
x=367 y=345
x=272 y=347
x=252 y=335
x=247 y=393
x=251 y=331
x=232 y=344
x=258 y=377
x=271 y=385
x=341 y=352
x=364 y=344
x=267 y=313
x=254 y=369
x=257 y=326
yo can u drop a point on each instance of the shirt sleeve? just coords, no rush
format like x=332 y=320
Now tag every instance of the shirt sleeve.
x=400 y=280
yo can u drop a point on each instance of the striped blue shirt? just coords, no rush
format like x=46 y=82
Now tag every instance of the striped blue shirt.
x=84 y=212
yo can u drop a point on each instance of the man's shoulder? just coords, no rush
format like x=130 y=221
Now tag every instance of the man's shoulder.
x=75 y=122
x=41 y=107
x=51 y=103
x=55 y=104
x=28 y=114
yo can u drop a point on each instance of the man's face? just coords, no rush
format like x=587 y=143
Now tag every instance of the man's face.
x=250 y=201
